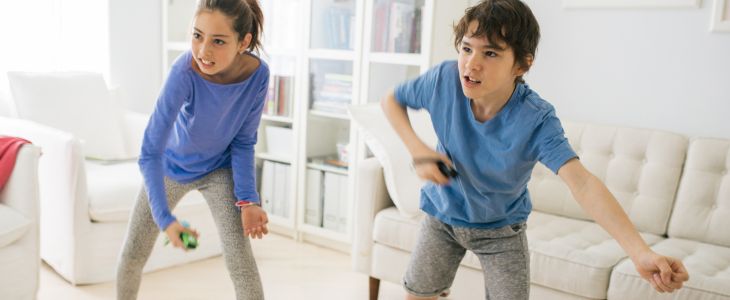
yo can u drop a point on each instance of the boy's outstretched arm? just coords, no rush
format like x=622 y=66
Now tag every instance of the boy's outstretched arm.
x=397 y=115
x=666 y=274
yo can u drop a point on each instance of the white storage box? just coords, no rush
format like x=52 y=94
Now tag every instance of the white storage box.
x=279 y=141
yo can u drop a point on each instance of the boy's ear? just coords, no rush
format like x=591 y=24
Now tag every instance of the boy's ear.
x=522 y=69
x=245 y=42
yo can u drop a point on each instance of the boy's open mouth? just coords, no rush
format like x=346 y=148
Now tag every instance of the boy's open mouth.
x=471 y=80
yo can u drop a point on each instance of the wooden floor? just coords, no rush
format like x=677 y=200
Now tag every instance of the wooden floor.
x=289 y=270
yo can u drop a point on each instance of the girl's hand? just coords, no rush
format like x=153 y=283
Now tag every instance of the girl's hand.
x=426 y=166
x=173 y=234
x=254 y=221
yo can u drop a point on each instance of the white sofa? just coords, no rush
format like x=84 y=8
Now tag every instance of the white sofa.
x=85 y=203
x=19 y=240
x=571 y=257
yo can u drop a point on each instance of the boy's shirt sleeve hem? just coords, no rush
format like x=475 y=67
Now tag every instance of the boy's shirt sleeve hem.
x=555 y=163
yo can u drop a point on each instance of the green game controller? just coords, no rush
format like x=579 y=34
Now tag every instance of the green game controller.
x=189 y=241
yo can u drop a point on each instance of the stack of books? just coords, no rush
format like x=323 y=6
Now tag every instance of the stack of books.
x=334 y=93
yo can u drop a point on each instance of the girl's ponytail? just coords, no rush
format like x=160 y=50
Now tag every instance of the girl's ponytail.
x=257 y=25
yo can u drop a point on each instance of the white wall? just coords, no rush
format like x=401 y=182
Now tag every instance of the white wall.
x=651 y=68
x=136 y=51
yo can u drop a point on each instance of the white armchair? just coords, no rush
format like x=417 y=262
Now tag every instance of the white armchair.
x=85 y=203
x=19 y=249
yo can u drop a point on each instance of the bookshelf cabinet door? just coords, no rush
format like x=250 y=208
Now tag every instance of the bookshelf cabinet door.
x=397 y=26
x=333 y=24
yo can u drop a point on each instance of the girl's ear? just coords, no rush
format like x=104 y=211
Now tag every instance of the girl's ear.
x=245 y=42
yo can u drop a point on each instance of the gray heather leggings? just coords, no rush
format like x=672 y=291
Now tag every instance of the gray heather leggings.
x=217 y=188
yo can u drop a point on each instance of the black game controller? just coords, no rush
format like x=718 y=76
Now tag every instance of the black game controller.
x=446 y=170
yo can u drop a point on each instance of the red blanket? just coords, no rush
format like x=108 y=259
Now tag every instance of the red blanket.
x=9 y=147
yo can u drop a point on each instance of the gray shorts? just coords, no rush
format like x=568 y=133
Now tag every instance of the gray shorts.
x=502 y=253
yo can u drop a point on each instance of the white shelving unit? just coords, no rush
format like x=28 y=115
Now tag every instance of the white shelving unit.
x=397 y=51
x=177 y=16
x=330 y=54
x=283 y=28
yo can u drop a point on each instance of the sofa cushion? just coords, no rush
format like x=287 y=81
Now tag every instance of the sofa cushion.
x=75 y=102
x=113 y=190
x=13 y=225
x=708 y=266
x=702 y=211
x=640 y=167
x=400 y=179
x=393 y=229
x=582 y=251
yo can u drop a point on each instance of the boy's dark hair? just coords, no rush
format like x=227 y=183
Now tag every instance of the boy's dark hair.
x=246 y=15
x=510 y=21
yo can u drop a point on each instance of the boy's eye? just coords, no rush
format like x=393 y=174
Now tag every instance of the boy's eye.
x=466 y=49
x=490 y=53
x=219 y=42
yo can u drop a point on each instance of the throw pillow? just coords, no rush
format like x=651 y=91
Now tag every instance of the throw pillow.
x=401 y=180
x=75 y=102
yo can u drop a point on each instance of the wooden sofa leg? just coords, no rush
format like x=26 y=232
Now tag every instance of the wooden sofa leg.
x=374 y=284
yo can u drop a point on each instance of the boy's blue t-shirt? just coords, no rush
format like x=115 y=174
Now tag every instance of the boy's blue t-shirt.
x=199 y=126
x=494 y=159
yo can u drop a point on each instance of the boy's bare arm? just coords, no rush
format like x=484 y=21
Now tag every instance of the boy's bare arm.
x=666 y=274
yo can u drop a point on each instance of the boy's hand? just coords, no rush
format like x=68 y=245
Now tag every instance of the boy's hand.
x=428 y=168
x=665 y=274
x=173 y=234
x=254 y=220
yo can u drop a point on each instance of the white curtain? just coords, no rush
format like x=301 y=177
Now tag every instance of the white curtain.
x=52 y=35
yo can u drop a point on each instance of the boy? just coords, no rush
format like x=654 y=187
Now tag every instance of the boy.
x=492 y=129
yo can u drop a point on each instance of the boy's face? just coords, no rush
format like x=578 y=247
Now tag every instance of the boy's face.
x=488 y=71
x=215 y=44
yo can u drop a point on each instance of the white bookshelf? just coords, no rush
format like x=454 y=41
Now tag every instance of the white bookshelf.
x=384 y=64
x=328 y=49
x=177 y=18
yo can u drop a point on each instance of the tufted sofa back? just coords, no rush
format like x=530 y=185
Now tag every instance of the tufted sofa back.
x=641 y=167
x=702 y=209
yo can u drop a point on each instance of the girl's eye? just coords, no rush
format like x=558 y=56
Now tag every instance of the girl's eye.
x=219 y=42
x=490 y=53
x=466 y=49
x=196 y=35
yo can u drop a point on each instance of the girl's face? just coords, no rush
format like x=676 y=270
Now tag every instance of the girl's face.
x=215 y=45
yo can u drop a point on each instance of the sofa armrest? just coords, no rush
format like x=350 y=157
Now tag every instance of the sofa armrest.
x=371 y=197
x=134 y=124
x=21 y=190
x=62 y=185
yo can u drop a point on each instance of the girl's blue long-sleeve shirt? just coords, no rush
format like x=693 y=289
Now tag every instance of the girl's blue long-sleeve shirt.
x=199 y=126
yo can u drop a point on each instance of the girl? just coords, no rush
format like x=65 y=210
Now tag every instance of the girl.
x=201 y=136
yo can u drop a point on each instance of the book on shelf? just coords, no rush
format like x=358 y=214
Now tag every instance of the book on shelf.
x=330 y=161
x=334 y=215
x=275 y=188
x=397 y=27
x=339 y=27
x=280 y=95
x=314 y=200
